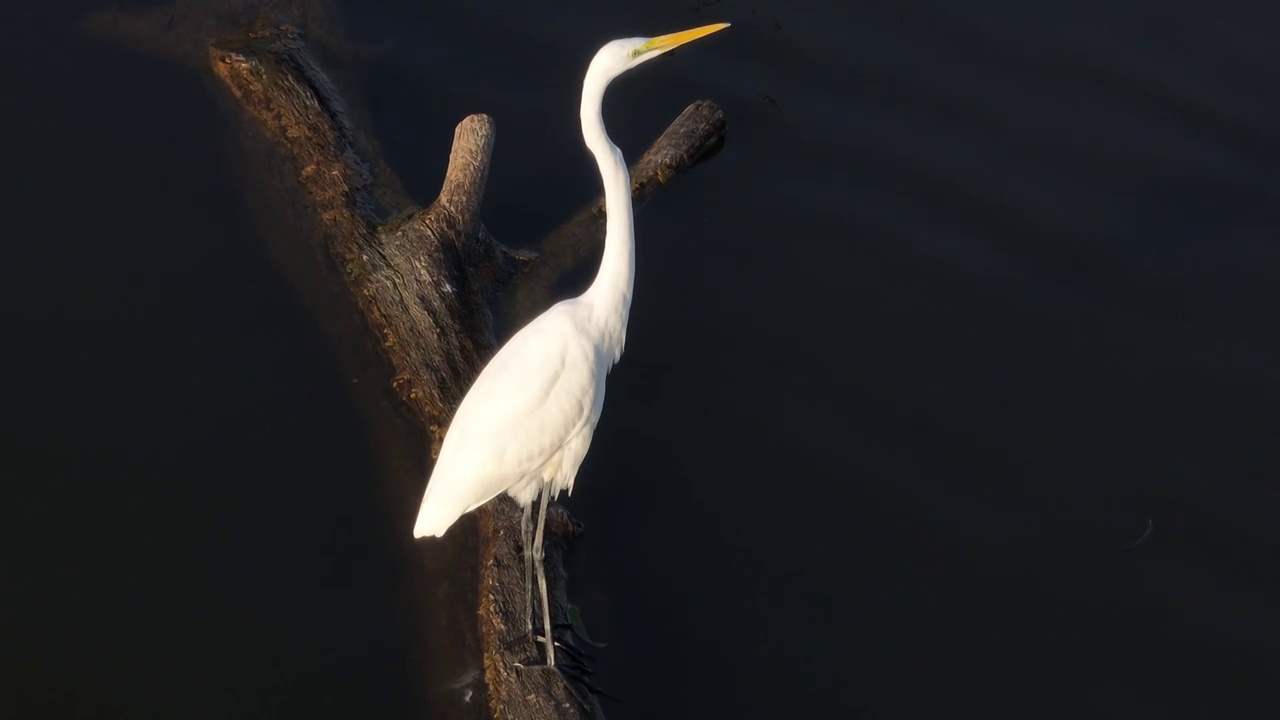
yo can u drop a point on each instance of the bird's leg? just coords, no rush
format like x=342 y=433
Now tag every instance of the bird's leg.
x=542 y=578
x=526 y=542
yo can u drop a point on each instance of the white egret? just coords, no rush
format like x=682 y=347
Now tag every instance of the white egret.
x=525 y=424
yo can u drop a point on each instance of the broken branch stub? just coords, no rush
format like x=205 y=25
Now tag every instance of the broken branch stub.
x=468 y=170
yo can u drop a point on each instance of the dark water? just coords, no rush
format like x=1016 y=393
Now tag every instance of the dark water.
x=976 y=292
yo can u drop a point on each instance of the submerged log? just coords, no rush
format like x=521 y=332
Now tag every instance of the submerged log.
x=419 y=284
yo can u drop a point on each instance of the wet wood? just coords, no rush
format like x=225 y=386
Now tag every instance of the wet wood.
x=421 y=282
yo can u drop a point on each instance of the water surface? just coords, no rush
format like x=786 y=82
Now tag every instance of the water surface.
x=972 y=293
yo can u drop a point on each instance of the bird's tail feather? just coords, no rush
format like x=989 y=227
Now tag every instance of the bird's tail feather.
x=438 y=513
x=435 y=515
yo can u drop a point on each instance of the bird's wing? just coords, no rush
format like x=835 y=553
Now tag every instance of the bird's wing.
x=536 y=394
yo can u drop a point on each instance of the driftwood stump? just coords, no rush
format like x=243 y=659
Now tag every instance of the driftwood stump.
x=405 y=294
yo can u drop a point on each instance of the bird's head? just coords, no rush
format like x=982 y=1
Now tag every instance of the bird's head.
x=622 y=55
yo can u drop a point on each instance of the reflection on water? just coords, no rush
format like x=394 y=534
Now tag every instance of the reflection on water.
x=972 y=294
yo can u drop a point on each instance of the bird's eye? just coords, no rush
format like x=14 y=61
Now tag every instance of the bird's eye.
x=635 y=53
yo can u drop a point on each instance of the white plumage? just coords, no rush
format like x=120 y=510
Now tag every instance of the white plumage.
x=525 y=425
x=527 y=421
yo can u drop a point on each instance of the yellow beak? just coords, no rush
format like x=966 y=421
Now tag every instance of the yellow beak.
x=676 y=39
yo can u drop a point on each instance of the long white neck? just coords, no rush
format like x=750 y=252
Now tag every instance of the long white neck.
x=610 y=292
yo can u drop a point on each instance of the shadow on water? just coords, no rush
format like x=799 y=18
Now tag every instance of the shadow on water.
x=971 y=293
x=444 y=647
x=231 y=547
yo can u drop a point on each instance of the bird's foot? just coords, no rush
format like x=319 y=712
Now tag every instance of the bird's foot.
x=572 y=663
x=569 y=651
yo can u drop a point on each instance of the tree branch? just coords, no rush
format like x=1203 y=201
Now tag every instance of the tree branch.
x=468 y=170
x=696 y=135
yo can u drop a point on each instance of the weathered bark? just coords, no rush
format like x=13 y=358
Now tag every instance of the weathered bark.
x=421 y=286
